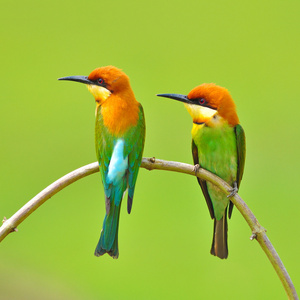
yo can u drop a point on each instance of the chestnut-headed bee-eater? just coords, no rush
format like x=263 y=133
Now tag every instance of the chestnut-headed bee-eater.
x=218 y=145
x=120 y=137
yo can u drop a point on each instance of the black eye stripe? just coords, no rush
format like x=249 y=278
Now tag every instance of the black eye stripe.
x=203 y=102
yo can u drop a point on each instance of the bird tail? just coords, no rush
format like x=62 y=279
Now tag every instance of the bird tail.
x=108 y=242
x=219 y=245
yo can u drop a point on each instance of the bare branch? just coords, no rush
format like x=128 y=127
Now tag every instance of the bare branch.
x=9 y=225
x=258 y=232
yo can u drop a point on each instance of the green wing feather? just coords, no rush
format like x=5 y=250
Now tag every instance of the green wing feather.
x=241 y=155
x=134 y=146
x=201 y=182
x=104 y=149
x=241 y=151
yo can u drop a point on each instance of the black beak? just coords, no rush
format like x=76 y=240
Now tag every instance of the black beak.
x=82 y=79
x=182 y=98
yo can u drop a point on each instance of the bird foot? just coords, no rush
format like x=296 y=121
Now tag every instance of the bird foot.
x=196 y=168
x=233 y=191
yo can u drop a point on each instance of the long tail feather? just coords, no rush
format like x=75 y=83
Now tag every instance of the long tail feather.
x=108 y=242
x=219 y=245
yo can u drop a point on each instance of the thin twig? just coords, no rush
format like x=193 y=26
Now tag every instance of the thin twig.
x=258 y=232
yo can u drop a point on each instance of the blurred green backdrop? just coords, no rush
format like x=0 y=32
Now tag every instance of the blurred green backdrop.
x=47 y=130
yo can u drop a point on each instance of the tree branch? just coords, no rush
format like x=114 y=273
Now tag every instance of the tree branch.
x=258 y=232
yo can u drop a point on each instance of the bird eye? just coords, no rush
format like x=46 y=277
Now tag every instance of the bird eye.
x=202 y=101
x=100 y=81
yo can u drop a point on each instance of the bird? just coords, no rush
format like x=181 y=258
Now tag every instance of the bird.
x=119 y=141
x=218 y=145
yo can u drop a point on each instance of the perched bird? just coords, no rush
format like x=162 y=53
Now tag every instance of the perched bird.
x=120 y=137
x=218 y=145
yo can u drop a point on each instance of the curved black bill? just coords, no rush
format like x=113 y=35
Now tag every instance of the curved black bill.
x=82 y=79
x=182 y=98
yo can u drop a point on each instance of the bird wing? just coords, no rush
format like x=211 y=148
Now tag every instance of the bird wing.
x=241 y=151
x=241 y=154
x=201 y=182
x=134 y=140
x=134 y=146
x=104 y=150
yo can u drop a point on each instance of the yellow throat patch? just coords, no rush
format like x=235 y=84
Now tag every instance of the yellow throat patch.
x=100 y=93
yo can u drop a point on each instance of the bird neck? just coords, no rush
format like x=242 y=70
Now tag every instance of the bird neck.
x=215 y=124
x=100 y=93
x=120 y=112
x=199 y=114
x=211 y=117
x=227 y=111
x=196 y=128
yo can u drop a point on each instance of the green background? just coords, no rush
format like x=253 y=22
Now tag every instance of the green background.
x=47 y=130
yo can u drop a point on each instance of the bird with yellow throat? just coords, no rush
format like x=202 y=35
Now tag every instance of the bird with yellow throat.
x=218 y=145
x=119 y=137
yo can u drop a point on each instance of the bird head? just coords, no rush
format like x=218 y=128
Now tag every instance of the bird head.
x=102 y=82
x=208 y=103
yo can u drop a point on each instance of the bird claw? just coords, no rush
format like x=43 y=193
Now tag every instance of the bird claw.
x=233 y=191
x=196 y=168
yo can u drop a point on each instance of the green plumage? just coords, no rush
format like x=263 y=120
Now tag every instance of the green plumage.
x=220 y=150
x=133 y=139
